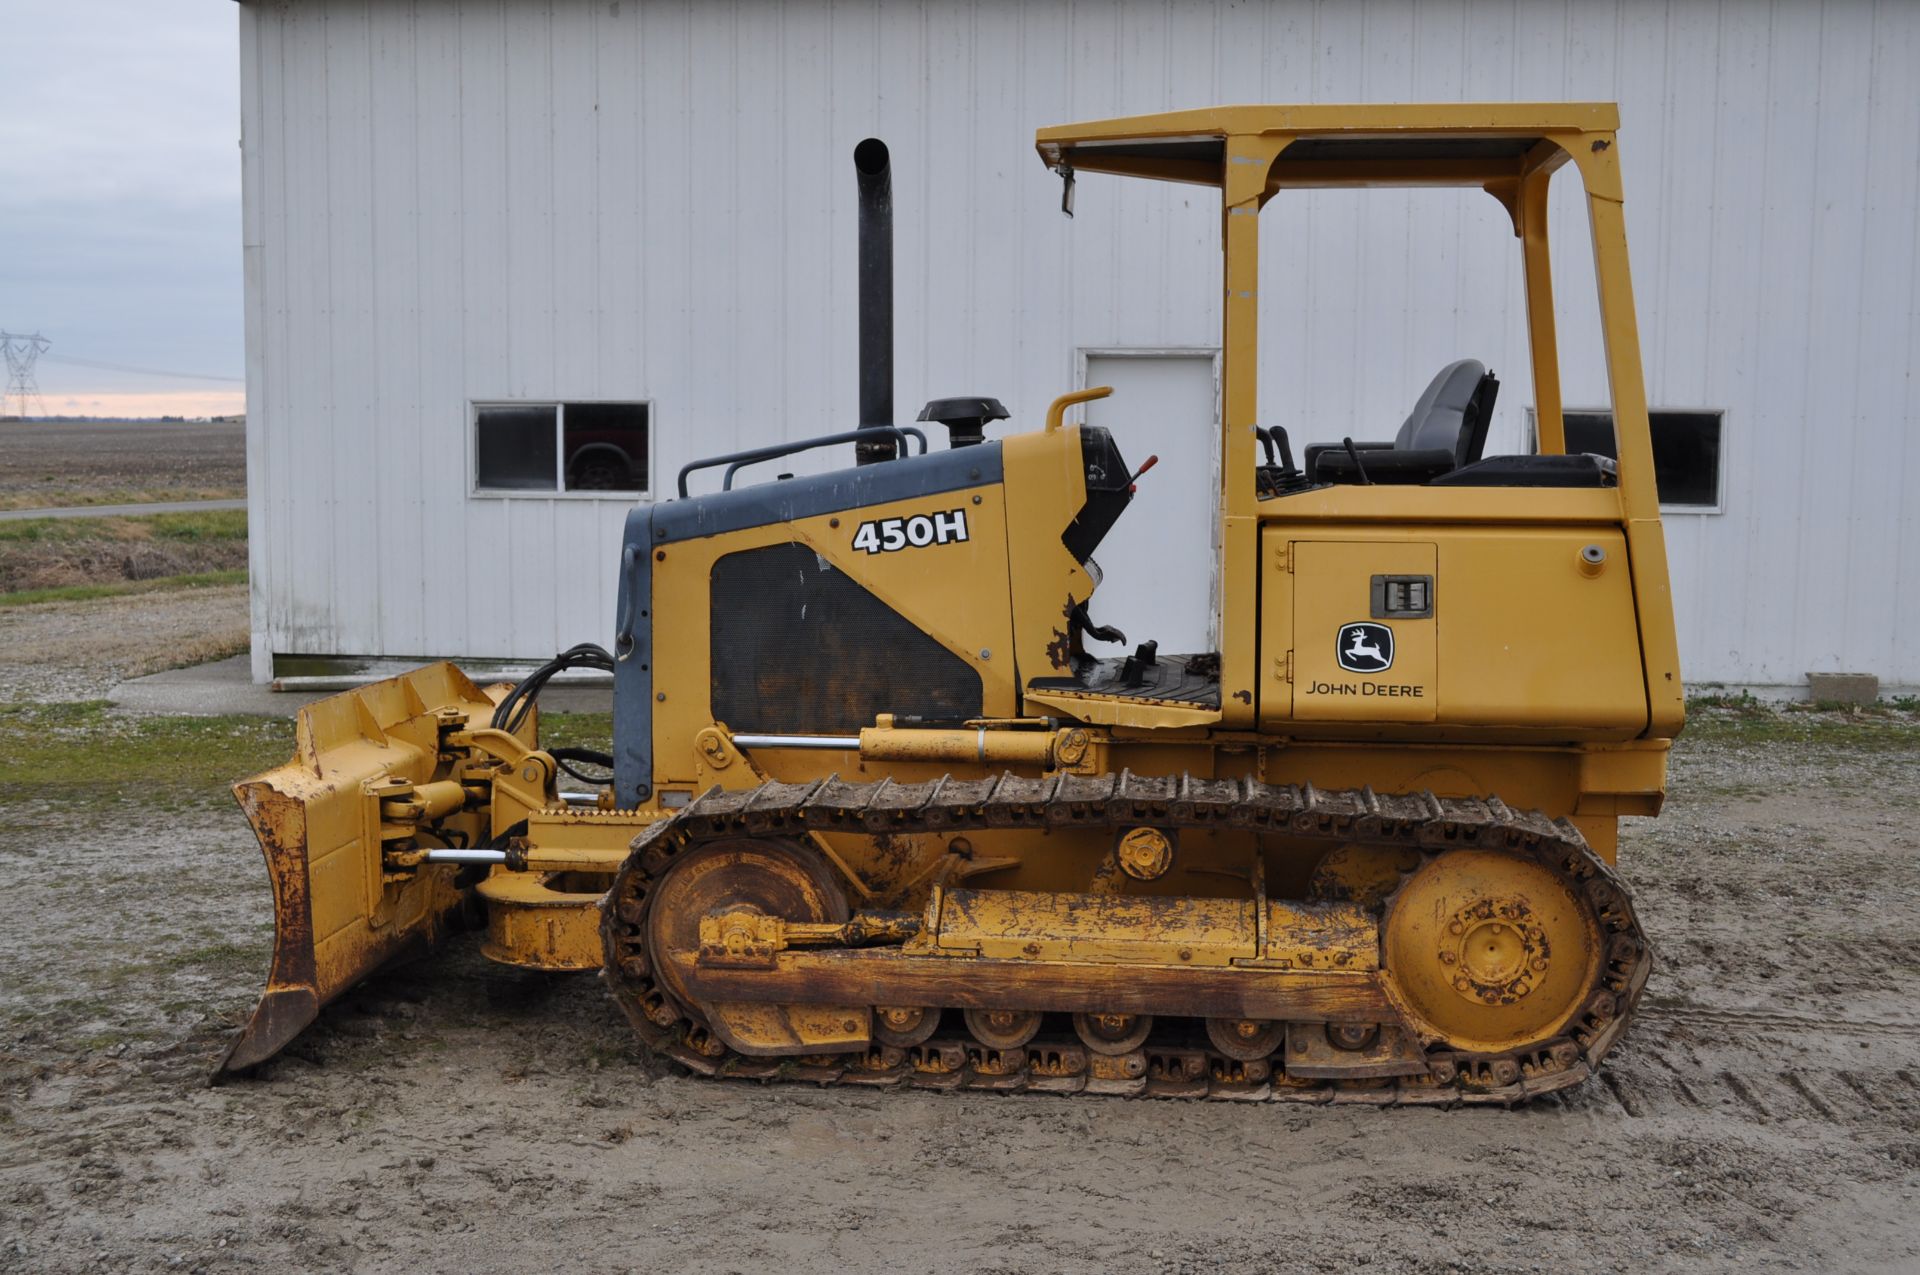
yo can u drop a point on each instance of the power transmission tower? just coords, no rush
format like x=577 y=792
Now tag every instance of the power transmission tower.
x=23 y=389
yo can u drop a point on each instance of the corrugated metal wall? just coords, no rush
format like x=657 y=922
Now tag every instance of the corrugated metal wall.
x=450 y=200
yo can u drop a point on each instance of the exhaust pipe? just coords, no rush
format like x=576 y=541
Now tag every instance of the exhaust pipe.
x=875 y=171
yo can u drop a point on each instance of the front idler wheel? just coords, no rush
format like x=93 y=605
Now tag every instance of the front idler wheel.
x=731 y=883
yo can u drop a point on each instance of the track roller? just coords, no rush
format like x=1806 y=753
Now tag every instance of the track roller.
x=1113 y=1034
x=1003 y=1029
x=1245 y=1039
x=904 y=1026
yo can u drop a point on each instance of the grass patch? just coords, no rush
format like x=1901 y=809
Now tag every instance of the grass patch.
x=192 y=527
x=205 y=524
x=87 y=592
x=577 y=730
x=1878 y=728
x=217 y=954
x=85 y=753
x=75 y=497
x=43 y=558
x=1719 y=716
x=1731 y=701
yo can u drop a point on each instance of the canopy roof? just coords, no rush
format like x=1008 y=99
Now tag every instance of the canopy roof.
x=1455 y=144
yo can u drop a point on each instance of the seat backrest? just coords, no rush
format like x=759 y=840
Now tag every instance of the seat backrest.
x=1436 y=420
x=1474 y=423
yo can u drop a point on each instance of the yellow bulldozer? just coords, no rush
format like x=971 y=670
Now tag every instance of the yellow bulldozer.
x=885 y=804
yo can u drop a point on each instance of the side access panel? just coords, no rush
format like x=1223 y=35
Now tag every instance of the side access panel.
x=1536 y=635
x=1329 y=651
x=1358 y=654
x=1526 y=628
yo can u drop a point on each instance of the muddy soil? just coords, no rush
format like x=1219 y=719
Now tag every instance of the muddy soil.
x=453 y=1115
x=46 y=463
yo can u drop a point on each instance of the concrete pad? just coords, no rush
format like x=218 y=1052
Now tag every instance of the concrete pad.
x=206 y=690
x=145 y=510
x=1843 y=688
x=227 y=686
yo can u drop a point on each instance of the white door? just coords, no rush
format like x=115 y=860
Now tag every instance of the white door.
x=1158 y=559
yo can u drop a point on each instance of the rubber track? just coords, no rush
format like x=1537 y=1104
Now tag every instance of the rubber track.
x=1175 y=1064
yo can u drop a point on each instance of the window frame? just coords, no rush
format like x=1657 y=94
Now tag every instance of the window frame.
x=559 y=490
x=1720 y=476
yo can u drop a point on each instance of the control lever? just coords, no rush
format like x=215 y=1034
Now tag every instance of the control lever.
x=1098 y=632
x=1278 y=434
x=1278 y=477
x=1354 y=453
x=1151 y=461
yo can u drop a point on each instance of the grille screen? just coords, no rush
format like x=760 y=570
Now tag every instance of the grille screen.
x=798 y=647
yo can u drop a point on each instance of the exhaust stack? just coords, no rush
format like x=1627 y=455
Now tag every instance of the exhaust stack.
x=875 y=171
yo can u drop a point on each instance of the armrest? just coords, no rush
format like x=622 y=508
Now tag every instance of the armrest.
x=1402 y=466
x=1316 y=450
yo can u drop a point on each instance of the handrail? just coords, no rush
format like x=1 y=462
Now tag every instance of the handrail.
x=734 y=460
x=1057 y=410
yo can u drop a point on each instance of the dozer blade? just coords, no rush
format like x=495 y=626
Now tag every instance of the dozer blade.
x=338 y=915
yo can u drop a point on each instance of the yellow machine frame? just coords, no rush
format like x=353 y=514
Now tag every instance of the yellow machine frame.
x=1563 y=702
x=1255 y=141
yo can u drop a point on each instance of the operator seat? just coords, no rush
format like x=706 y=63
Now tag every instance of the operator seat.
x=1446 y=429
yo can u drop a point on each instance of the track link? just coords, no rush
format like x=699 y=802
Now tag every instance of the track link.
x=1177 y=1061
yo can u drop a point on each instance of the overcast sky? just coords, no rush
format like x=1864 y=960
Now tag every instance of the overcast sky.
x=120 y=199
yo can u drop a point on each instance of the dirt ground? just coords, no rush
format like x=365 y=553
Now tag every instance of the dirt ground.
x=453 y=1115
x=47 y=463
x=57 y=651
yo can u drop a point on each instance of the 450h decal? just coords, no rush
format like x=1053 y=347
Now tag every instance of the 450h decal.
x=886 y=535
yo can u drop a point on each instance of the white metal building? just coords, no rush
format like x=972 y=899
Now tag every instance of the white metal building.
x=555 y=222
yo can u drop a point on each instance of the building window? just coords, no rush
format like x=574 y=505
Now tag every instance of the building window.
x=562 y=447
x=1687 y=451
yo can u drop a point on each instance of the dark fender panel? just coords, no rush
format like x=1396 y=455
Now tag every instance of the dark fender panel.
x=814 y=494
x=633 y=662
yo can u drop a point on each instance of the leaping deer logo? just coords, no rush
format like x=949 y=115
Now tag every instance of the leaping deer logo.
x=1365 y=648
